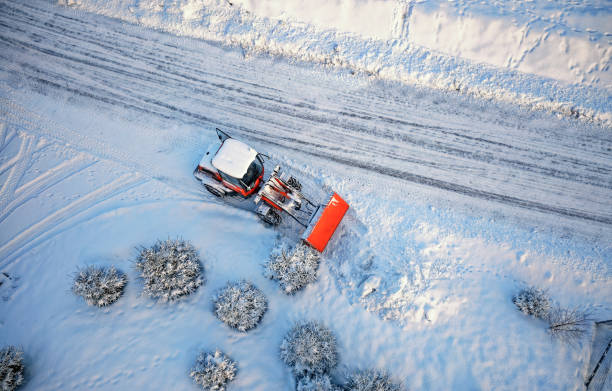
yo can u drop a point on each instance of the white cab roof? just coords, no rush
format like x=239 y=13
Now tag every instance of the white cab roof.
x=206 y=161
x=234 y=158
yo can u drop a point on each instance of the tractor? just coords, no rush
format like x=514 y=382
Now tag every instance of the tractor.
x=231 y=168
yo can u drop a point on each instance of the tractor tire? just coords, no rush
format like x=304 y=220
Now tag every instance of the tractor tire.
x=271 y=217
x=214 y=191
x=294 y=183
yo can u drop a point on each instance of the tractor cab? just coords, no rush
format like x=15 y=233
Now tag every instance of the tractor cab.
x=234 y=167
x=240 y=166
x=231 y=167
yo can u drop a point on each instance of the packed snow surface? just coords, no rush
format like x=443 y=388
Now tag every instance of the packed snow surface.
x=456 y=205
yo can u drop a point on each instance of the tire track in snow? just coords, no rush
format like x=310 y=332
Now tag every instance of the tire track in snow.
x=89 y=205
x=33 y=123
x=54 y=223
x=16 y=171
x=535 y=169
x=49 y=178
x=459 y=189
x=6 y=137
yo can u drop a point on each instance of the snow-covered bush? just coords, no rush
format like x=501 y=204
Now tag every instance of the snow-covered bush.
x=309 y=349
x=568 y=324
x=170 y=269
x=11 y=368
x=318 y=382
x=371 y=380
x=99 y=286
x=533 y=301
x=294 y=271
x=240 y=305
x=213 y=370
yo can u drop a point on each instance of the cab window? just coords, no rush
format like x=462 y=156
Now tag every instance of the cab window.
x=232 y=180
x=253 y=172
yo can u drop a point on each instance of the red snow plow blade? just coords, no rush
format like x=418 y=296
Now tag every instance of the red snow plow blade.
x=324 y=222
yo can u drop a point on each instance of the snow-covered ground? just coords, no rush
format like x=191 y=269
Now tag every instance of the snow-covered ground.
x=544 y=55
x=456 y=204
x=561 y=40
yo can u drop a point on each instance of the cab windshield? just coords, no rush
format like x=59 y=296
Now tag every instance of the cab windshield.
x=253 y=172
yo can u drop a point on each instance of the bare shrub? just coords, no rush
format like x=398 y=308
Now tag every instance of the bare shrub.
x=99 y=286
x=240 y=305
x=170 y=269
x=11 y=368
x=309 y=349
x=296 y=270
x=371 y=380
x=213 y=370
x=318 y=382
x=568 y=324
x=533 y=302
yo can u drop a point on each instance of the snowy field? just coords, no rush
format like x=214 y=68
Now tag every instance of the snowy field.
x=457 y=202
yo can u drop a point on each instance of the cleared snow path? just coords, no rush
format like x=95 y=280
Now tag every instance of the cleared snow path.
x=554 y=167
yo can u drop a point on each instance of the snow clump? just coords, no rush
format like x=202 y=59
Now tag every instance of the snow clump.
x=294 y=271
x=98 y=285
x=240 y=305
x=309 y=349
x=318 y=382
x=371 y=380
x=11 y=368
x=534 y=302
x=213 y=370
x=170 y=269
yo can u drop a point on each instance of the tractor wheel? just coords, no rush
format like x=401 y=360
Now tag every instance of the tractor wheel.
x=271 y=217
x=214 y=191
x=294 y=183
